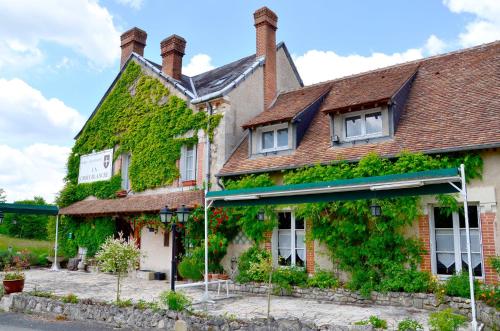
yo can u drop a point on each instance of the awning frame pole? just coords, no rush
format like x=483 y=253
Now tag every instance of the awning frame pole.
x=463 y=191
x=55 y=264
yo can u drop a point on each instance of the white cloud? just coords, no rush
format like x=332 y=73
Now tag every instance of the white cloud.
x=27 y=116
x=37 y=170
x=135 y=4
x=82 y=25
x=486 y=25
x=198 y=64
x=316 y=66
x=434 y=45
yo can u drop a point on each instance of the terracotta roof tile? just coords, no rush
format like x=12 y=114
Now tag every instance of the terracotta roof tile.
x=454 y=104
x=289 y=104
x=135 y=204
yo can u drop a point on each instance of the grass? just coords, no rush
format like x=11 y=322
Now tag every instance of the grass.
x=37 y=247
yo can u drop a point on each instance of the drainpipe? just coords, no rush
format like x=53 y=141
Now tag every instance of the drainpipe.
x=207 y=179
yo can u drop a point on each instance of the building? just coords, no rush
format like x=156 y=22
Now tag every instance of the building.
x=235 y=92
x=439 y=105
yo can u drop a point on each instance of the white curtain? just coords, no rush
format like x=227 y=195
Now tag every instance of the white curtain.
x=285 y=243
x=446 y=259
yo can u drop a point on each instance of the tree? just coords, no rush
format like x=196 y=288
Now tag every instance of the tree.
x=118 y=256
x=26 y=225
x=3 y=197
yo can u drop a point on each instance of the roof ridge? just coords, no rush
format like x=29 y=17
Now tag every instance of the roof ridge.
x=402 y=64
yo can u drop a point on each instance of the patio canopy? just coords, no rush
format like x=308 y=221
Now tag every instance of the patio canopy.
x=377 y=187
x=19 y=208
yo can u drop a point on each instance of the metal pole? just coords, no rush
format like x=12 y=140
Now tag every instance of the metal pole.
x=207 y=185
x=55 y=265
x=206 y=247
x=173 y=271
x=469 y=258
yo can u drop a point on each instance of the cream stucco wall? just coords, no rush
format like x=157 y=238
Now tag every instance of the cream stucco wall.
x=156 y=257
x=233 y=252
x=286 y=78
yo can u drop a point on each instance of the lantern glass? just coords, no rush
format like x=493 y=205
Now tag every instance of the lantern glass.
x=166 y=215
x=376 y=210
x=182 y=214
x=261 y=215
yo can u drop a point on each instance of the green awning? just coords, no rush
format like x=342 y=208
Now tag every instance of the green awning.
x=377 y=187
x=28 y=209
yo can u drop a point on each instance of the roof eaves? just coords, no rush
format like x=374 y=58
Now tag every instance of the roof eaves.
x=217 y=94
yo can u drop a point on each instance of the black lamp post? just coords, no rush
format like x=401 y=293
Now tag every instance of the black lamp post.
x=166 y=216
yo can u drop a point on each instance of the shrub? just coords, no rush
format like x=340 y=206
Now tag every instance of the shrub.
x=323 y=279
x=175 y=300
x=374 y=321
x=123 y=303
x=495 y=263
x=191 y=268
x=14 y=275
x=286 y=277
x=490 y=295
x=143 y=304
x=410 y=325
x=42 y=294
x=249 y=265
x=446 y=320
x=70 y=298
x=401 y=279
x=458 y=285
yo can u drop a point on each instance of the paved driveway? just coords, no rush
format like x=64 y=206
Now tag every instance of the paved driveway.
x=102 y=287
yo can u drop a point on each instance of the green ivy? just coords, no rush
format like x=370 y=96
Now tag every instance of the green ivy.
x=140 y=117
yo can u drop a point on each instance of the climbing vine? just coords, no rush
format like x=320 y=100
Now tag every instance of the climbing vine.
x=141 y=117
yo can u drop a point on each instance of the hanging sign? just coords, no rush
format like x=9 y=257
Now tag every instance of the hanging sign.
x=96 y=166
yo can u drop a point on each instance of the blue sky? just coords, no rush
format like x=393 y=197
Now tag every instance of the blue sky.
x=57 y=57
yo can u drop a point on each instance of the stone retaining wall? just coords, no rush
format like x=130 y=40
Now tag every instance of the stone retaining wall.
x=485 y=314
x=149 y=319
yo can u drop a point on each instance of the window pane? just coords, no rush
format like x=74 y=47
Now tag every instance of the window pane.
x=300 y=240
x=300 y=257
x=445 y=264
x=445 y=241
x=373 y=123
x=473 y=221
x=299 y=223
x=284 y=220
x=353 y=126
x=443 y=218
x=476 y=264
x=283 y=138
x=268 y=140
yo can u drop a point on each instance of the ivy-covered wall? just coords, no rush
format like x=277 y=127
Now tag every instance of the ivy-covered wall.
x=139 y=116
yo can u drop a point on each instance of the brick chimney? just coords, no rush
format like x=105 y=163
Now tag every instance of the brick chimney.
x=266 y=23
x=133 y=40
x=172 y=51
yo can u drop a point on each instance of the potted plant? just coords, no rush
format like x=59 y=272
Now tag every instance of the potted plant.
x=13 y=281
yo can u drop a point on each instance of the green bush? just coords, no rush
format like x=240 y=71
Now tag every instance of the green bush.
x=446 y=320
x=285 y=277
x=175 y=300
x=124 y=303
x=143 y=304
x=249 y=265
x=374 y=321
x=401 y=279
x=458 y=285
x=191 y=267
x=495 y=263
x=490 y=294
x=410 y=325
x=323 y=279
x=70 y=298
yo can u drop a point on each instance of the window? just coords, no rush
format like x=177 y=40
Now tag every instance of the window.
x=274 y=138
x=125 y=172
x=188 y=163
x=368 y=124
x=291 y=240
x=450 y=248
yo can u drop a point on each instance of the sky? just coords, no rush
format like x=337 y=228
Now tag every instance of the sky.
x=58 y=57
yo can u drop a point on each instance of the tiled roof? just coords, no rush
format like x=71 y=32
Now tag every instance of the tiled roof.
x=134 y=204
x=289 y=104
x=453 y=104
x=372 y=87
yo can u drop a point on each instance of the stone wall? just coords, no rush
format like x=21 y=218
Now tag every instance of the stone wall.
x=485 y=314
x=148 y=319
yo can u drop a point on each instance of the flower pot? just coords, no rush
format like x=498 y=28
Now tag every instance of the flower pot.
x=13 y=286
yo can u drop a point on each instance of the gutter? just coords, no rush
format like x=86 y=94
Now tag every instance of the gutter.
x=389 y=156
x=258 y=62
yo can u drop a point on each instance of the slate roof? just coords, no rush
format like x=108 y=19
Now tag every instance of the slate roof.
x=288 y=105
x=134 y=204
x=453 y=105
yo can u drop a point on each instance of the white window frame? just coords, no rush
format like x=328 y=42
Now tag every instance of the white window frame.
x=274 y=128
x=456 y=243
x=293 y=244
x=184 y=165
x=362 y=114
x=125 y=170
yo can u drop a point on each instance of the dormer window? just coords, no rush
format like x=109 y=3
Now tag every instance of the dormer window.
x=365 y=125
x=274 y=138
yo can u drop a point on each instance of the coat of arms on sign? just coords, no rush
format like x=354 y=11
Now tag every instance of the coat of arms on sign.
x=106 y=161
